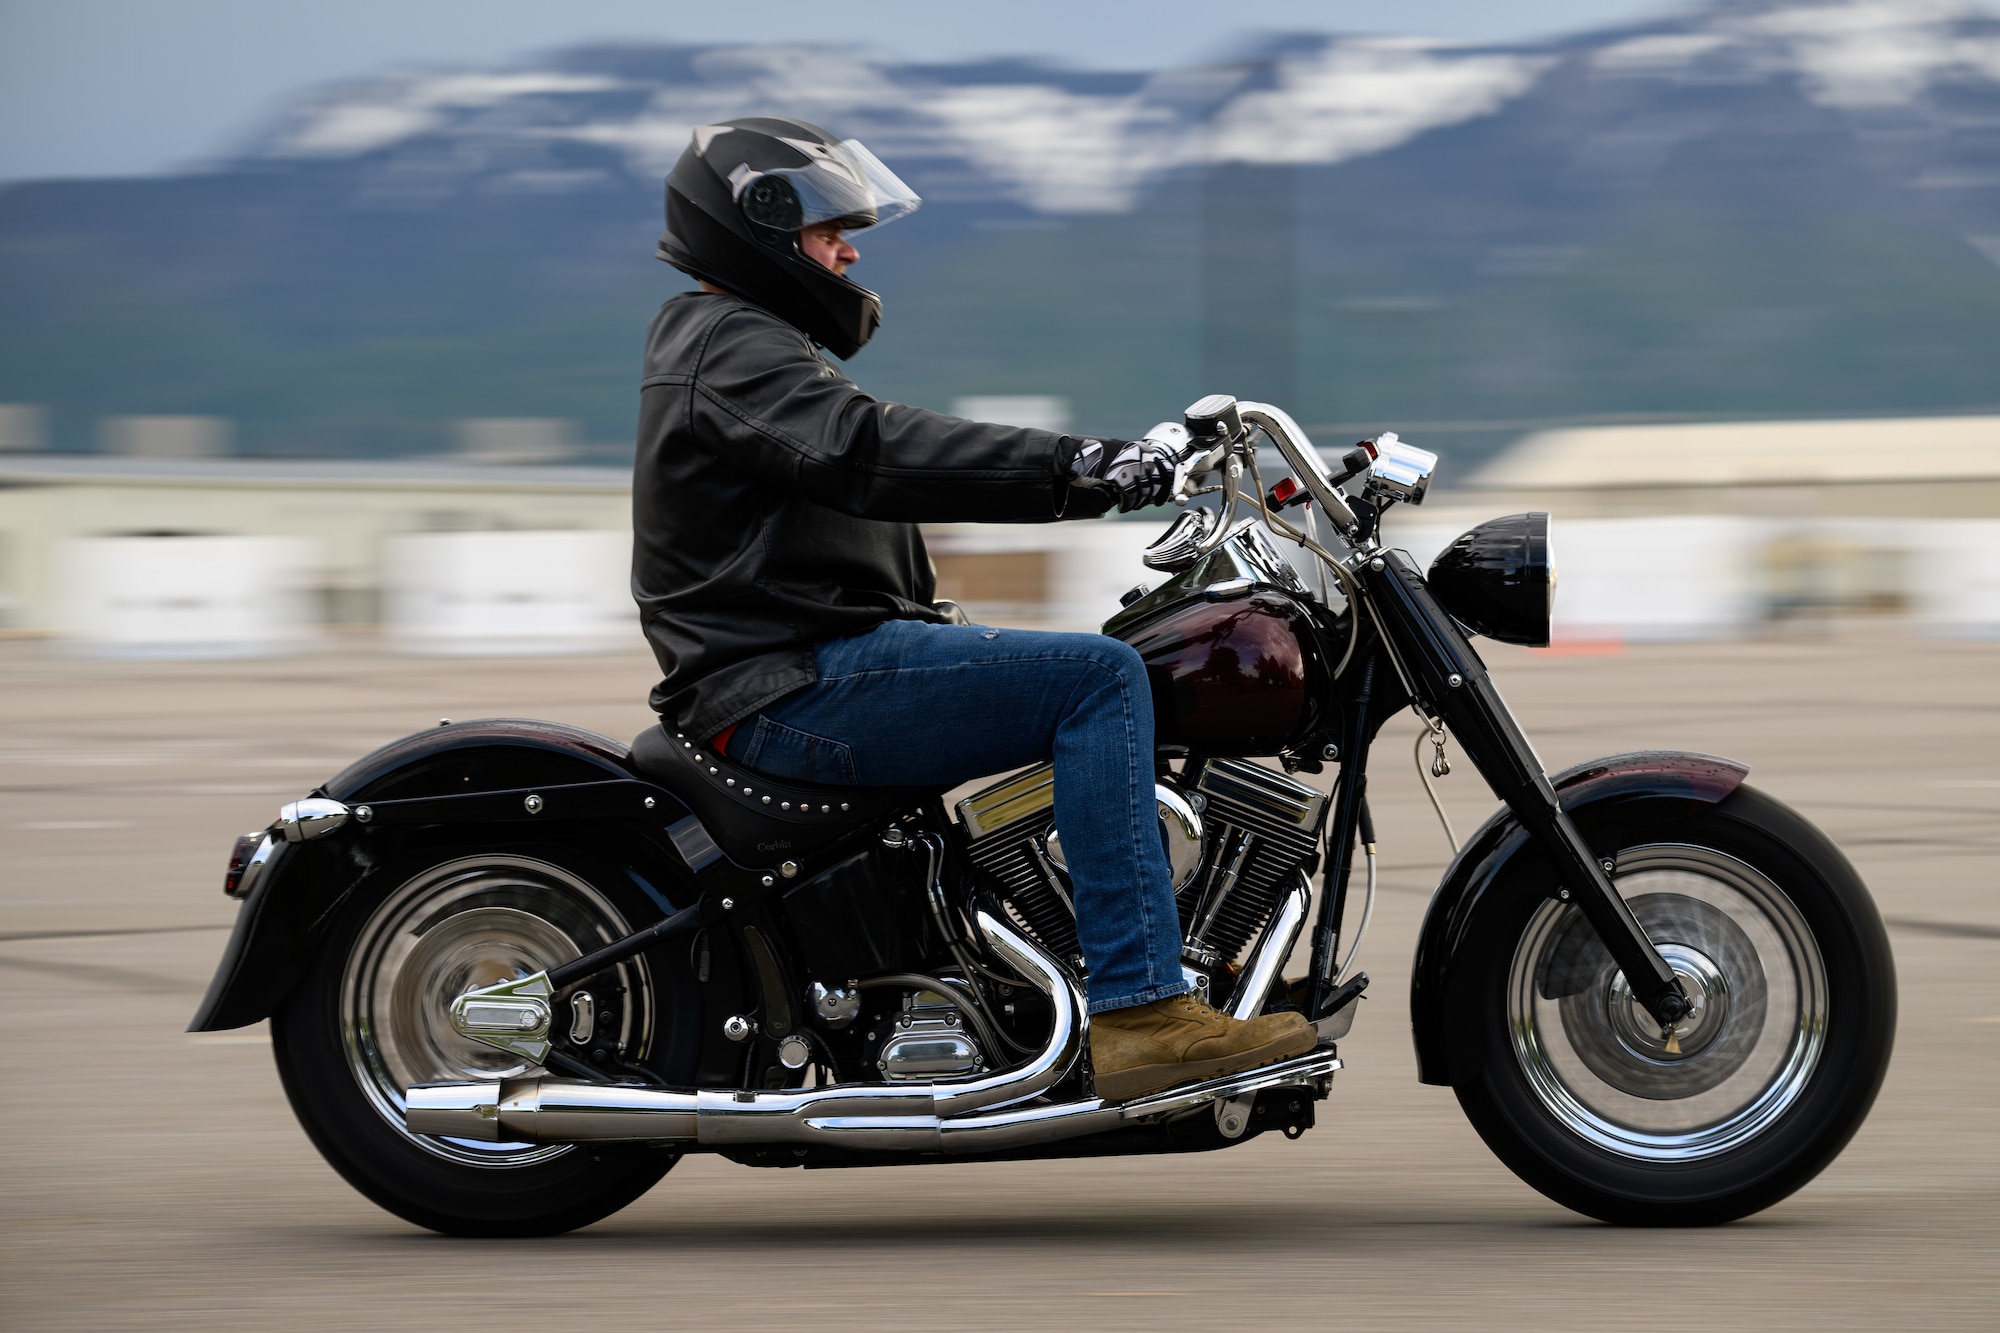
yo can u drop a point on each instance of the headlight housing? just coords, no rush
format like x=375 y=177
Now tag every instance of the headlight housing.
x=1499 y=580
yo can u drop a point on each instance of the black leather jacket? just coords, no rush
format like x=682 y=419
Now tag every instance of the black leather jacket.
x=774 y=505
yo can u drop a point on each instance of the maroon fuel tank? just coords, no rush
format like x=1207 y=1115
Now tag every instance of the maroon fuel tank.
x=1241 y=676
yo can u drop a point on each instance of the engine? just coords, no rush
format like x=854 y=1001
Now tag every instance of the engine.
x=1255 y=828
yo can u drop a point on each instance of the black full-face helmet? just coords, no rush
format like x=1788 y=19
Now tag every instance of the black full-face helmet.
x=737 y=199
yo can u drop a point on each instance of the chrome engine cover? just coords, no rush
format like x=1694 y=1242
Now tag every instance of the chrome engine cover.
x=930 y=1038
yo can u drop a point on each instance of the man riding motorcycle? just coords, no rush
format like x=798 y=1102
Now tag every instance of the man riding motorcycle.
x=786 y=592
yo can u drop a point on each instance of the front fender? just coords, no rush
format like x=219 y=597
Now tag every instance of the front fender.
x=295 y=899
x=1669 y=782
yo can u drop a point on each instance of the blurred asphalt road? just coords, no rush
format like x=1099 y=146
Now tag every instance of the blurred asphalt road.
x=150 y=1179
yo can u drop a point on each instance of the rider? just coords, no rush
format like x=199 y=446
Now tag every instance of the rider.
x=786 y=592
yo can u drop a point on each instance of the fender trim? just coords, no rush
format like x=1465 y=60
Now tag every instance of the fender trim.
x=279 y=926
x=1501 y=844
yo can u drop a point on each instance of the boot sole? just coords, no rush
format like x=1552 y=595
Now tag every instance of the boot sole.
x=1142 y=1080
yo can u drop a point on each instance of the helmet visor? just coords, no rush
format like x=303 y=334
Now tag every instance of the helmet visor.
x=843 y=183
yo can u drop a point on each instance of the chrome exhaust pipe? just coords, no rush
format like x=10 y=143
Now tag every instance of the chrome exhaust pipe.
x=1267 y=964
x=860 y=1115
x=968 y=1116
x=535 y=1110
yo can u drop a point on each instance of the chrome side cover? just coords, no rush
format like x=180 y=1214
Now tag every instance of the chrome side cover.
x=513 y=1016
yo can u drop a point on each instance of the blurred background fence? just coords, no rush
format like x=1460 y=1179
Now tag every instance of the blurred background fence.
x=1660 y=532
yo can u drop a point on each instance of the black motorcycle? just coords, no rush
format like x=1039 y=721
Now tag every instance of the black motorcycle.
x=514 y=970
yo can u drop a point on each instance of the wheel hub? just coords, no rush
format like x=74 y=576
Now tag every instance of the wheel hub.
x=1640 y=1033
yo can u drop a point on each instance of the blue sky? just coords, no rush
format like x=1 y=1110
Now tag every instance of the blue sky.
x=116 y=87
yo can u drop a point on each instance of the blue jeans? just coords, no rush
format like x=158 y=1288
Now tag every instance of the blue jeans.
x=914 y=704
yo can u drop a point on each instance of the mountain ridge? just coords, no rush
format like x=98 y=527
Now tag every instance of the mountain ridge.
x=1753 y=208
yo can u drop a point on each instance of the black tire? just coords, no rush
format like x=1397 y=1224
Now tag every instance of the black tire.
x=362 y=1023
x=1586 y=1103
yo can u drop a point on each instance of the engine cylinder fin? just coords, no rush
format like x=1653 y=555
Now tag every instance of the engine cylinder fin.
x=1281 y=819
x=1277 y=817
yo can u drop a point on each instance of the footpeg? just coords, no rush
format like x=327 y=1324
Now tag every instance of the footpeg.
x=1313 y=1067
x=513 y=1016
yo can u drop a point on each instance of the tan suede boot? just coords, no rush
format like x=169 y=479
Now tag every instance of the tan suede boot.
x=1148 y=1047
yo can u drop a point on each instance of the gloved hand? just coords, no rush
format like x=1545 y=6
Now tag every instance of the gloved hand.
x=1136 y=472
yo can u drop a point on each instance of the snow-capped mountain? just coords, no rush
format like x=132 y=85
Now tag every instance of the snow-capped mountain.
x=1765 y=205
x=1080 y=143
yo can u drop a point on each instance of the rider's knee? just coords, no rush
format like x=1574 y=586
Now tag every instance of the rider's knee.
x=1124 y=661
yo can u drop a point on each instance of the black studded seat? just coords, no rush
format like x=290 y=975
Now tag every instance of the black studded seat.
x=755 y=820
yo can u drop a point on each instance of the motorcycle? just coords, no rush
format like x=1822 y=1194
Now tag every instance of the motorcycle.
x=516 y=970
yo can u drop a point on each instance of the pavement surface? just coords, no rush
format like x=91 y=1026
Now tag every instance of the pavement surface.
x=153 y=1179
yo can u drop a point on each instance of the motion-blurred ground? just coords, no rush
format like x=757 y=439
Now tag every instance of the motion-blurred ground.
x=157 y=1180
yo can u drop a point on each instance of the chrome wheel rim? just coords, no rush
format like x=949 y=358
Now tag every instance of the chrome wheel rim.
x=466 y=923
x=1600 y=1066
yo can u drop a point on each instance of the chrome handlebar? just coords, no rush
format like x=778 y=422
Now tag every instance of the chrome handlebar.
x=1303 y=460
x=1398 y=471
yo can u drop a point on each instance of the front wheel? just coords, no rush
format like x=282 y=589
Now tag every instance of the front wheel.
x=1782 y=952
x=369 y=1019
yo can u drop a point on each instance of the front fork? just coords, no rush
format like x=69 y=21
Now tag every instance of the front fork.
x=1444 y=673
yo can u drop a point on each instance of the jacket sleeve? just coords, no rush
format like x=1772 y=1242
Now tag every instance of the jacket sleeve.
x=763 y=399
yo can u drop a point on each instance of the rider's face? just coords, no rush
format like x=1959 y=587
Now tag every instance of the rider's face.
x=823 y=244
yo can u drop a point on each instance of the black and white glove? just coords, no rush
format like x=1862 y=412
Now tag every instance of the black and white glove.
x=1137 y=473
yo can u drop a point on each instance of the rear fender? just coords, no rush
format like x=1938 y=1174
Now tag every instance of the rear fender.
x=303 y=885
x=1654 y=785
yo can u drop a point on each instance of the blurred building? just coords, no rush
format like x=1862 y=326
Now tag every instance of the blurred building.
x=516 y=440
x=341 y=520
x=1914 y=467
x=165 y=436
x=1683 y=531
x=24 y=428
x=1732 y=528
x=1036 y=411
x=212 y=557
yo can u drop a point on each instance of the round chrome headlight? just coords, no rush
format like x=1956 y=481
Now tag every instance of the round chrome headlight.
x=1498 y=579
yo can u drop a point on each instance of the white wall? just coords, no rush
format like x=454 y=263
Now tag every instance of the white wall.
x=1954 y=575
x=184 y=597
x=508 y=593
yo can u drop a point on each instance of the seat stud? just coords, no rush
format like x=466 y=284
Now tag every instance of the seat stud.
x=711 y=769
x=765 y=799
x=826 y=809
x=785 y=805
x=843 y=807
x=727 y=782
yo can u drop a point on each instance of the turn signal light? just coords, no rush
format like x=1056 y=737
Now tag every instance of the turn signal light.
x=1286 y=494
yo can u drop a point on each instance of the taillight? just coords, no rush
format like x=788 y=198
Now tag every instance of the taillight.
x=239 y=861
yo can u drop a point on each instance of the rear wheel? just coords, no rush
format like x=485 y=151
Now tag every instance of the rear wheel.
x=370 y=1018
x=1783 y=955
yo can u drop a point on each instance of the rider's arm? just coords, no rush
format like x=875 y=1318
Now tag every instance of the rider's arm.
x=762 y=396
